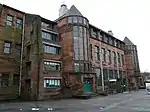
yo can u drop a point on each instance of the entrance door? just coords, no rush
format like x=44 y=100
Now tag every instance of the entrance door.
x=88 y=85
x=27 y=89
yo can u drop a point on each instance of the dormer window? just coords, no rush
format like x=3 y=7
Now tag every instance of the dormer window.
x=110 y=41
x=105 y=39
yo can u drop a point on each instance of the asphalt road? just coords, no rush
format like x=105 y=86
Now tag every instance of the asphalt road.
x=127 y=102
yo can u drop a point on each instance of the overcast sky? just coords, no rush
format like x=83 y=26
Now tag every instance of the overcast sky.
x=129 y=18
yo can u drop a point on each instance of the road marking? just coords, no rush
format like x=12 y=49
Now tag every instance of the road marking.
x=50 y=109
x=35 y=109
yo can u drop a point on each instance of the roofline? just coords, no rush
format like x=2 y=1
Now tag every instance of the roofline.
x=49 y=20
x=63 y=16
x=13 y=8
x=106 y=33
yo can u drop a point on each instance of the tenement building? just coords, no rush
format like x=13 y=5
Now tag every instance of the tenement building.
x=42 y=59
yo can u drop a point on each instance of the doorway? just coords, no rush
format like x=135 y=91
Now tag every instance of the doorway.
x=27 y=89
x=88 y=85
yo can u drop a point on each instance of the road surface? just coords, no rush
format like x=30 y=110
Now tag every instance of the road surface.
x=128 y=102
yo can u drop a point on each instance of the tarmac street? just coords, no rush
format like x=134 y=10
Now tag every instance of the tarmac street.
x=137 y=101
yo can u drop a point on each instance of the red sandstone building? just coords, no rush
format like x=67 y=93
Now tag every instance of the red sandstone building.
x=59 y=58
x=11 y=28
x=133 y=68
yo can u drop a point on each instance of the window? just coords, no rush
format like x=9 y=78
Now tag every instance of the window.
x=28 y=49
x=118 y=44
x=76 y=48
x=110 y=41
x=97 y=56
x=95 y=34
x=19 y=23
x=119 y=59
x=105 y=76
x=85 y=21
x=9 y=20
x=16 y=80
x=51 y=66
x=75 y=28
x=85 y=44
x=91 y=56
x=4 y=80
x=80 y=20
x=86 y=66
x=111 y=74
x=51 y=49
x=76 y=67
x=18 y=49
x=69 y=19
x=45 y=25
x=103 y=54
x=81 y=49
x=114 y=58
x=52 y=83
x=122 y=58
x=28 y=66
x=81 y=31
x=75 y=31
x=105 y=39
x=49 y=36
x=75 y=20
x=99 y=77
x=7 y=47
x=115 y=43
x=109 y=56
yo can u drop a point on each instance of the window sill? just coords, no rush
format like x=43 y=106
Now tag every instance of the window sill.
x=52 y=71
x=52 y=87
x=51 y=54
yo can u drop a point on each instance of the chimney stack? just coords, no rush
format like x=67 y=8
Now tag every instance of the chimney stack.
x=63 y=9
x=110 y=32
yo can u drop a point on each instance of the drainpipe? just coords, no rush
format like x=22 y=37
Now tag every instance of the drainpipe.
x=102 y=73
x=117 y=59
x=21 y=60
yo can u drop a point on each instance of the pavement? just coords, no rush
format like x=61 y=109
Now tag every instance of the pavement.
x=137 y=101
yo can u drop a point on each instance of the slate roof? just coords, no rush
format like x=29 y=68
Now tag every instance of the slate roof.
x=73 y=11
x=127 y=41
